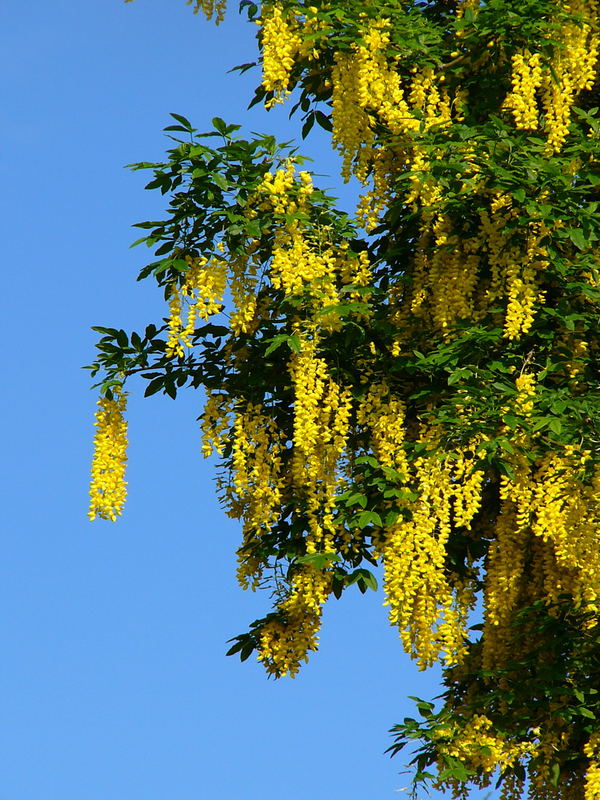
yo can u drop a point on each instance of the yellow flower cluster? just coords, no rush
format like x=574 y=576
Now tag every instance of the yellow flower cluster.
x=514 y=267
x=364 y=85
x=571 y=69
x=312 y=475
x=202 y=291
x=276 y=186
x=552 y=514
x=210 y=8
x=108 y=487
x=525 y=385
x=215 y=423
x=379 y=86
x=478 y=747
x=430 y=613
x=321 y=425
x=505 y=577
x=383 y=415
x=526 y=80
x=304 y=262
x=352 y=132
x=244 y=317
x=255 y=491
x=446 y=273
x=467 y=486
x=297 y=266
x=266 y=468
x=281 y=43
x=487 y=752
x=367 y=90
x=174 y=345
x=522 y=297
x=373 y=202
x=465 y=5
x=580 y=350
x=321 y=422
x=574 y=68
x=566 y=517
x=285 y=645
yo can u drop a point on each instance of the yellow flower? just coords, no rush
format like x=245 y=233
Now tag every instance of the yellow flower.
x=108 y=487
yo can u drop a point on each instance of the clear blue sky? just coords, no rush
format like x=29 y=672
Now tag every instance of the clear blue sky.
x=113 y=679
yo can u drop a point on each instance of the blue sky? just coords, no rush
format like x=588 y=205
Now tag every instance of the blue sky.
x=113 y=679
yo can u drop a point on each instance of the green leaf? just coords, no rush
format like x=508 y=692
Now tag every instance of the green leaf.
x=363 y=578
x=337 y=586
x=390 y=518
x=318 y=560
x=425 y=708
x=369 y=518
x=370 y=580
x=276 y=342
x=505 y=469
x=154 y=386
x=107 y=331
x=324 y=121
x=577 y=237
x=555 y=425
x=174 y=129
x=457 y=773
x=370 y=460
x=219 y=125
x=220 y=180
x=246 y=651
x=357 y=499
x=308 y=124
x=294 y=343
x=559 y=406
x=183 y=121
x=234 y=648
x=459 y=375
x=585 y=712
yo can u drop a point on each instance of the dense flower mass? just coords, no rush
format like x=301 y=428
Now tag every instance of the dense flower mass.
x=108 y=488
x=415 y=386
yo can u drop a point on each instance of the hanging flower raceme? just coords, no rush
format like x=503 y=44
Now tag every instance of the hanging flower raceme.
x=551 y=87
x=108 y=487
x=527 y=78
x=281 y=42
x=202 y=292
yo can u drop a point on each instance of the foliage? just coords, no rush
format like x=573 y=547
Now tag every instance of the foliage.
x=415 y=385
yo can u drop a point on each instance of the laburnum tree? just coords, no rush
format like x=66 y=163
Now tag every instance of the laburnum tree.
x=414 y=384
